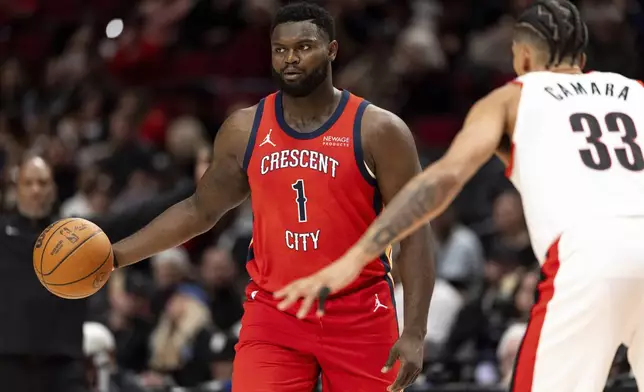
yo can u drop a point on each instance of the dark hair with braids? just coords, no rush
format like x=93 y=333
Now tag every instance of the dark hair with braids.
x=557 y=25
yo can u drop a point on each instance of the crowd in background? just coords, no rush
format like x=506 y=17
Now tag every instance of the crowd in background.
x=123 y=119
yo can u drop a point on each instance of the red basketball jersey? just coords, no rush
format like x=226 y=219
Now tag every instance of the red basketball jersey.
x=312 y=194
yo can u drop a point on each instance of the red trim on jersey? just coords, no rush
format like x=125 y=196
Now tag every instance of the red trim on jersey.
x=508 y=169
x=517 y=82
x=640 y=82
x=524 y=367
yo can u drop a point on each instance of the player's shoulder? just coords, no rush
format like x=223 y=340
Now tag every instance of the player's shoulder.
x=508 y=94
x=378 y=122
x=385 y=134
x=500 y=103
x=241 y=120
x=235 y=132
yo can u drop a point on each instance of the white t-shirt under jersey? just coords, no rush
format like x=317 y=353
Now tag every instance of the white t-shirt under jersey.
x=576 y=152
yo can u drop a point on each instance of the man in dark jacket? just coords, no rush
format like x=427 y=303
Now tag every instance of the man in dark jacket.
x=41 y=335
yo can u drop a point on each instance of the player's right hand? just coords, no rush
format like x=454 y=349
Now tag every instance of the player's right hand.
x=328 y=280
x=409 y=351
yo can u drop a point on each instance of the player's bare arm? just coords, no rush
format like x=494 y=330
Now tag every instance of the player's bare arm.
x=391 y=152
x=423 y=198
x=427 y=195
x=223 y=186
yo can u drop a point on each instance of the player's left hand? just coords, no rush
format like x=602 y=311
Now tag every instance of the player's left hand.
x=328 y=280
x=409 y=350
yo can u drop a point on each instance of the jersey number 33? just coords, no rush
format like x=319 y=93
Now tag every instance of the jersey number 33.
x=629 y=154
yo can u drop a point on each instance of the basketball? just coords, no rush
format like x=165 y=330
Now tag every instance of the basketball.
x=73 y=258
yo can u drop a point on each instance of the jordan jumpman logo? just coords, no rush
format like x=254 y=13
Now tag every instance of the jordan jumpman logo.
x=378 y=304
x=267 y=139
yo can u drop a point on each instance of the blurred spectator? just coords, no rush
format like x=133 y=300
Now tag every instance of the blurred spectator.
x=123 y=154
x=612 y=43
x=491 y=48
x=445 y=306
x=52 y=354
x=13 y=89
x=130 y=319
x=218 y=273
x=91 y=197
x=141 y=186
x=510 y=341
x=182 y=345
x=512 y=232
x=459 y=255
x=102 y=371
x=99 y=349
x=170 y=268
x=482 y=320
x=73 y=62
x=185 y=136
x=524 y=297
x=508 y=351
x=202 y=161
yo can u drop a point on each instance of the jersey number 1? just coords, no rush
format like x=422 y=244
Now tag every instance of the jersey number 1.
x=300 y=199
x=629 y=156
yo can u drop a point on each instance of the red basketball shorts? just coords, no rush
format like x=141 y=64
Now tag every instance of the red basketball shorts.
x=346 y=348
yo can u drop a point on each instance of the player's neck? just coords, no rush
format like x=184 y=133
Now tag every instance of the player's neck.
x=566 y=69
x=319 y=101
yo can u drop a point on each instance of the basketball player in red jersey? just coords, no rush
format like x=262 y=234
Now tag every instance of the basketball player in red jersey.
x=319 y=163
x=579 y=166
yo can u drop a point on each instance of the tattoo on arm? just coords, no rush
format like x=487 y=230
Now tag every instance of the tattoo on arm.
x=429 y=193
x=416 y=203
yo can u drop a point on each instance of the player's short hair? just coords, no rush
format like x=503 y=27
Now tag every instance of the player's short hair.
x=303 y=11
x=556 y=25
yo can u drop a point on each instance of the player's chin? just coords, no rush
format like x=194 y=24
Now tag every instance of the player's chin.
x=295 y=89
x=294 y=84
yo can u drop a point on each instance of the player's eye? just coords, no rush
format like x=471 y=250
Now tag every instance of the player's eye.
x=305 y=47
x=279 y=50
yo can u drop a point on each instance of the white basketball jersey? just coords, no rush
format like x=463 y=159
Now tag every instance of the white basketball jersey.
x=577 y=155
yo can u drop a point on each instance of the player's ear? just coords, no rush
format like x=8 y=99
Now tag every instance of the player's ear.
x=333 y=50
x=582 y=61
x=529 y=59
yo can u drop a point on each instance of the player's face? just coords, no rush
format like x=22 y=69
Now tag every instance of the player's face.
x=35 y=189
x=301 y=57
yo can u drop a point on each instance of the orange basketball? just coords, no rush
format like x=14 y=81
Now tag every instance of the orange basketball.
x=73 y=258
